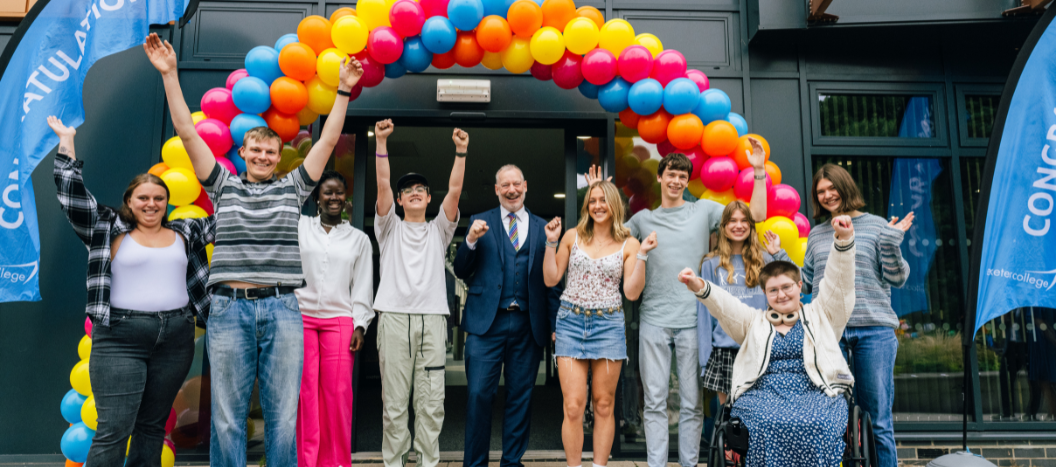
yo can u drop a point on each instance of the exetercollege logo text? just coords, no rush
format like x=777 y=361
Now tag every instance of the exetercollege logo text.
x=1026 y=277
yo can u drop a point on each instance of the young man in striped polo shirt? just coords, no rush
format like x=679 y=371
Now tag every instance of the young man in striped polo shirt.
x=255 y=329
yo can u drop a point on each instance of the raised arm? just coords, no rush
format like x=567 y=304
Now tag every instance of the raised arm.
x=77 y=203
x=894 y=267
x=458 y=172
x=634 y=266
x=556 y=260
x=836 y=297
x=315 y=161
x=734 y=316
x=163 y=57
x=382 y=130
x=758 y=160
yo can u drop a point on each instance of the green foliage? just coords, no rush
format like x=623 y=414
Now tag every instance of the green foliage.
x=936 y=353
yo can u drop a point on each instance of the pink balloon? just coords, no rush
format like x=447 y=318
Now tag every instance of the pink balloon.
x=230 y=166
x=216 y=135
x=407 y=17
x=719 y=173
x=700 y=78
x=235 y=76
x=668 y=65
x=635 y=63
x=742 y=188
x=568 y=72
x=217 y=103
x=88 y=326
x=169 y=443
x=435 y=8
x=638 y=202
x=373 y=71
x=599 y=67
x=665 y=147
x=541 y=72
x=802 y=224
x=698 y=158
x=385 y=45
x=782 y=200
x=171 y=422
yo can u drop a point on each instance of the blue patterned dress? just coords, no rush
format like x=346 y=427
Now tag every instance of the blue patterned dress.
x=790 y=421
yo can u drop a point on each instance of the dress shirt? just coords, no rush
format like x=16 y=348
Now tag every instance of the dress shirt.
x=522 y=226
x=339 y=272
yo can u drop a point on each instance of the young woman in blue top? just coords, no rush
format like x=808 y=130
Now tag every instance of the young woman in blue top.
x=734 y=265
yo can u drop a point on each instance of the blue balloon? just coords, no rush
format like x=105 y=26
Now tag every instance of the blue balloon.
x=76 y=441
x=680 y=96
x=590 y=91
x=71 y=406
x=438 y=35
x=240 y=166
x=465 y=14
x=243 y=123
x=169 y=209
x=497 y=7
x=285 y=40
x=395 y=70
x=263 y=62
x=646 y=96
x=416 y=57
x=738 y=122
x=712 y=105
x=252 y=96
x=613 y=95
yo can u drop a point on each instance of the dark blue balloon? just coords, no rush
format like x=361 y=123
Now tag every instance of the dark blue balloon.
x=712 y=105
x=76 y=441
x=395 y=70
x=240 y=164
x=263 y=62
x=71 y=406
x=465 y=14
x=613 y=95
x=438 y=35
x=285 y=40
x=646 y=96
x=738 y=122
x=588 y=90
x=680 y=96
x=416 y=58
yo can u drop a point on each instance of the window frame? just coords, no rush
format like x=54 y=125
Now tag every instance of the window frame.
x=962 y=91
x=932 y=90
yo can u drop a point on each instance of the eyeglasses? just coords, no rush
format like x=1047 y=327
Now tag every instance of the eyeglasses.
x=415 y=189
x=786 y=289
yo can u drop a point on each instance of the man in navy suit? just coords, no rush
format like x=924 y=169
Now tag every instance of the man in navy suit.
x=509 y=316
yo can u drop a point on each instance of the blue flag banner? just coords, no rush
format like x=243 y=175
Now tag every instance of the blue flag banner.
x=1017 y=265
x=45 y=76
x=911 y=182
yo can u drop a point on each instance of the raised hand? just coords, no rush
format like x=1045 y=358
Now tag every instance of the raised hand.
x=693 y=283
x=844 y=227
x=478 y=229
x=904 y=225
x=649 y=243
x=62 y=131
x=350 y=72
x=383 y=129
x=594 y=174
x=160 y=54
x=758 y=156
x=553 y=230
x=773 y=242
x=461 y=140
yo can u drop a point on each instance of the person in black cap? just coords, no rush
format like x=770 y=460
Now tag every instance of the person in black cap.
x=412 y=301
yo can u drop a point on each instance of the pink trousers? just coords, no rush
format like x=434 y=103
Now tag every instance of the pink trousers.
x=324 y=417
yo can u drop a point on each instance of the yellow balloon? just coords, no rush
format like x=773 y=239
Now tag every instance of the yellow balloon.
x=373 y=13
x=128 y=446
x=492 y=60
x=321 y=96
x=797 y=251
x=721 y=197
x=288 y=155
x=616 y=35
x=208 y=255
x=696 y=188
x=547 y=45
x=198 y=116
x=652 y=165
x=328 y=65
x=175 y=155
x=80 y=380
x=650 y=42
x=306 y=116
x=581 y=35
x=785 y=229
x=89 y=415
x=84 y=348
x=189 y=211
x=183 y=186
x=517 y=58
x=168 y=458
x=350 y=34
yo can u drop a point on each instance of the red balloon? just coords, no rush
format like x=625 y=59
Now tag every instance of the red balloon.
x=468 y=53
x=235 y=76
x=541 y=72
x=407 y=17
x=219 y=104
x=599 y=66
x=385 y=45
x=700 y=78
x=665 y=148
x=629 y=119
x=205 y=203
x=567 y=71
x=697 y=157
x=668 y=65
x=373 y=71
x=171 y=422
x=285 y=125
x=88 y=326
x=635 y=63
x=435 y=8
x=445 y=60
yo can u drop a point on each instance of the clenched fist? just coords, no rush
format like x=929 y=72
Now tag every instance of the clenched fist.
x=461 y=140
x=844 y=227
x=553 y=230
x=478 y=229
x=649 y=243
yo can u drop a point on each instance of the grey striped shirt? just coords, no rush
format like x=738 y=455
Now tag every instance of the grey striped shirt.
x=256 y=227
x=878 y=266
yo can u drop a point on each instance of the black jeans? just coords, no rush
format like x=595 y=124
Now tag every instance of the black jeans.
x=137 y=366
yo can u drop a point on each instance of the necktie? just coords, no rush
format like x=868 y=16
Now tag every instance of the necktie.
x=513 y=231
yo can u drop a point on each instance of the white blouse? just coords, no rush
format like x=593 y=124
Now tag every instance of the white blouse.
x=339 y=272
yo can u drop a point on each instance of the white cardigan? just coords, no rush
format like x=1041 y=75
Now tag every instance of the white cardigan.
x=823 y=322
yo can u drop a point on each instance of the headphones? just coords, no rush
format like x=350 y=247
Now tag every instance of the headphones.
x=776 y=318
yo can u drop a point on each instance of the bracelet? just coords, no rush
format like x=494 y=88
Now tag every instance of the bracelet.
x=550 y=244
x=461 y=154
x=378 y=154
x=644 y=257
x=760 y=177
x=344 y=93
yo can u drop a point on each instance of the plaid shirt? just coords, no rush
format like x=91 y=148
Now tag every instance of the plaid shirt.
x=98 y=226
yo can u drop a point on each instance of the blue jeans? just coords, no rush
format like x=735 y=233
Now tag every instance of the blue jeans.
x=874 y=349
x=655 y=345
x=251 y=340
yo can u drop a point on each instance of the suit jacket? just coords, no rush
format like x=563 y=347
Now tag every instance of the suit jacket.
x=482 y=270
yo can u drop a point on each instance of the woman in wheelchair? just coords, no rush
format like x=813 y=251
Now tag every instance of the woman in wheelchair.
x=789 y=376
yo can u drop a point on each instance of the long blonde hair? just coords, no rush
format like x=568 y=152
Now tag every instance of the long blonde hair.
x=585 y=228
x=751 y=252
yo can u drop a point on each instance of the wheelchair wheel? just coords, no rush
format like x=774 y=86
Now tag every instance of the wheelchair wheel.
x=717 y=453
x=868 y=442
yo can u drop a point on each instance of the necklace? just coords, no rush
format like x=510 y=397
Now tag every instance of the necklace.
x=324 y=224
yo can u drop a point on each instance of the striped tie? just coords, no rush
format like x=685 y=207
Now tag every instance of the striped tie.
x=513 y=231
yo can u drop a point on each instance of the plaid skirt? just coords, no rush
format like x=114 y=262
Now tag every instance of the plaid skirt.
x=718 y=373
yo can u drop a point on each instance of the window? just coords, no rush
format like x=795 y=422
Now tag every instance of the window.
x=874 y=114
x=976 y=112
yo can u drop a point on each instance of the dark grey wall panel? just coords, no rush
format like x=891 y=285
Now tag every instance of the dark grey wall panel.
x=225 y=31
x=332 y=7
x=709 y=40
x=775 y=116
x=877 y=51
x=766 y=15
x=773 y=53
x=734 y=88
x=903 y=11
x=684 y=5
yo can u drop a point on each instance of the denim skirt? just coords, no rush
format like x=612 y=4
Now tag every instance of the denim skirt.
x=591 y=333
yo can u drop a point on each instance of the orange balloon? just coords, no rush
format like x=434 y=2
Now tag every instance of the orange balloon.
x=629 y=119
x=288 y=95
x=525 y=17
x=653 y=128
x=685 y=131
x=341 y=13
x=297 y=60
x=315 y=32
x=158 y=169
x=445 y=60
x=285 y=125
x=592 y=14
x=774 y=172
x=493 y=33
x=467 y=52
x=741 y=157
x=720 y=138
x=557 y=13
x=70 y=463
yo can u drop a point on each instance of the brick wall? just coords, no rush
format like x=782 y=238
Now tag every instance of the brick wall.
x=1002 y=453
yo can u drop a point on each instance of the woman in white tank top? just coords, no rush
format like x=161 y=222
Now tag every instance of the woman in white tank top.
x=146 y=284
x=590 y=332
